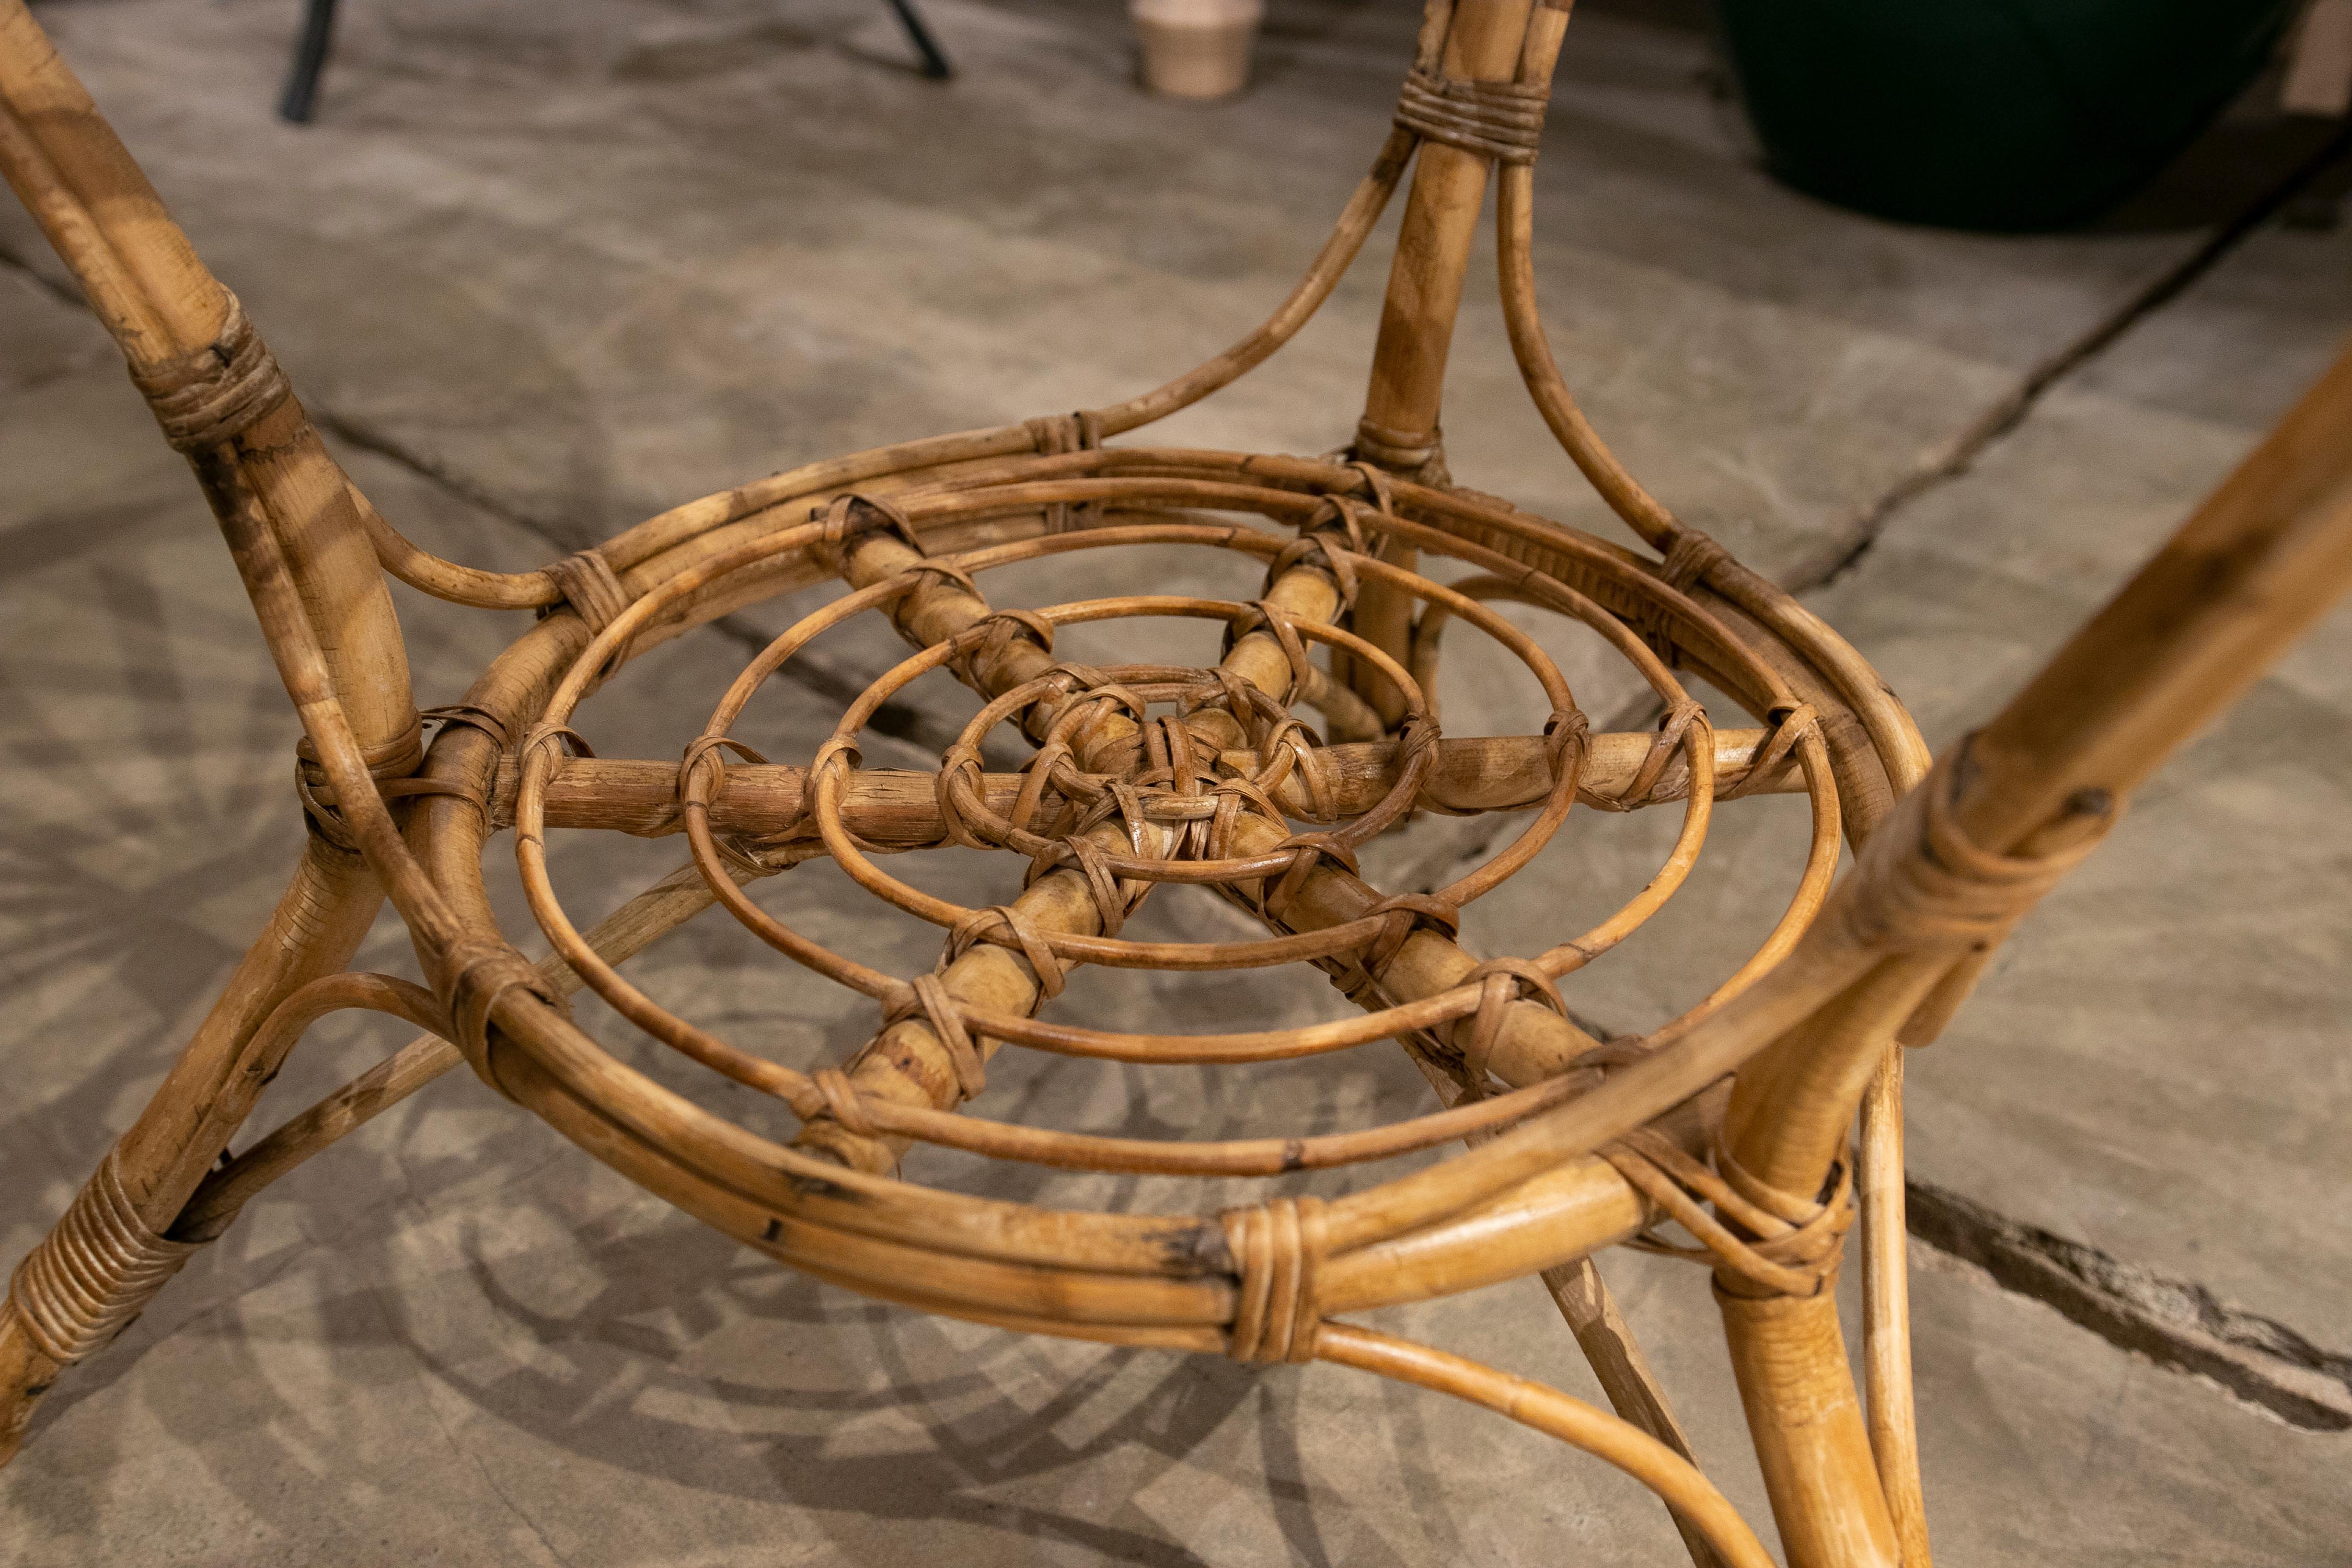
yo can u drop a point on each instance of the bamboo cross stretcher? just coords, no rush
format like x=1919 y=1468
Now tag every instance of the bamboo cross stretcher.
x=1735 y=1123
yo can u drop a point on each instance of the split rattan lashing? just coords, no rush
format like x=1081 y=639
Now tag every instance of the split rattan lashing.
x=1735 y=1122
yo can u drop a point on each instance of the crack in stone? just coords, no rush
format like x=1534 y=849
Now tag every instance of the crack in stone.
x=1941 y=464
x=2174 y=1323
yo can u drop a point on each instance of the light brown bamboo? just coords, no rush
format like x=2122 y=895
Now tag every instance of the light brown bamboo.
x=1788 y=1356
x=1809 y=1040
x=1433 y=252
x=1886 y=1312
x=2260 y=561
x=907 y=1062
x=1499 y=773
x=226 y=1189
x=144 y=281
x=1602 y=1333
x=1424 y=295
x=1548 y=1410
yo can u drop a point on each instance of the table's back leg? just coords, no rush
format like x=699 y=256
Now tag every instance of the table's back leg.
x=300 y=98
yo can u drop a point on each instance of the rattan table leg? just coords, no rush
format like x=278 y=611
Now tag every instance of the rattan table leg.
x=103 y=1253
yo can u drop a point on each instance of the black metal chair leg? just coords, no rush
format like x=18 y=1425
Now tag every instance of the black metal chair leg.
x=934 y=62
x=301 y=97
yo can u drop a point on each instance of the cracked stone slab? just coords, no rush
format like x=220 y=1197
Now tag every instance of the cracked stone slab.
x=454 y=1338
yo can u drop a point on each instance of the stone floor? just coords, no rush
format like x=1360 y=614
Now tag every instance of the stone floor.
x=545 y=271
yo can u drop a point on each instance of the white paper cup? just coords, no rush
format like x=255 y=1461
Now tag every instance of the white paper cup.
x=1196 y=48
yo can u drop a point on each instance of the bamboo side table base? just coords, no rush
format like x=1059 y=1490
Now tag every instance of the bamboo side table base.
x=1734 y=1123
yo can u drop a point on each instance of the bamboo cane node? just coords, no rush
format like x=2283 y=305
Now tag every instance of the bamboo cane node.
x=95 y=1272
x=1498 y=119
x=1277 y=1249
x=217 y=394
x=1413 y=452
